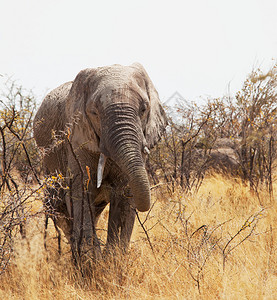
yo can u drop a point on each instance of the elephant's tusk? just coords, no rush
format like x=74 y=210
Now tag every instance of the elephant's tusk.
x=146 y=150
x=100 y=169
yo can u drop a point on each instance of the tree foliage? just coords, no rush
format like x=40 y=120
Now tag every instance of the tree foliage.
x=18 y=162
x=235 y=136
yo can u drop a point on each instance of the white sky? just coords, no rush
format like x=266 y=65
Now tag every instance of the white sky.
x=195 y=47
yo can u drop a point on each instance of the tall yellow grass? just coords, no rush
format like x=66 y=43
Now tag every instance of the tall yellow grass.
x=217 y=244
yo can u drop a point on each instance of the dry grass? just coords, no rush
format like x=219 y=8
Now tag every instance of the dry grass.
x=218 y=244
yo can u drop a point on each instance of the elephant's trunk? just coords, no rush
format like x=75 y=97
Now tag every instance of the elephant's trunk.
x=122 y=140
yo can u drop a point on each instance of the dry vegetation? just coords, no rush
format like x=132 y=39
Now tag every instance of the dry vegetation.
x=207 y=236
x=219 y=243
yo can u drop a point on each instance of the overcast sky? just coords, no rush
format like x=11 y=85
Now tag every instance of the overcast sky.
x=196 y=47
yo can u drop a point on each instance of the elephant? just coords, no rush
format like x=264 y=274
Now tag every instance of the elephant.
x=109 y=117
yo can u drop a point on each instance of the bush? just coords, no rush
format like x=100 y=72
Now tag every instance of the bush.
x=19 y=183
x=244 y=126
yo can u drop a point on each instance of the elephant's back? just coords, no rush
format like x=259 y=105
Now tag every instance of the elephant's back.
x=51 y=115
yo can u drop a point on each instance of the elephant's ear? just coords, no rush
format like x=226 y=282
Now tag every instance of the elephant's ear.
x=79 y=92
x=157 y=120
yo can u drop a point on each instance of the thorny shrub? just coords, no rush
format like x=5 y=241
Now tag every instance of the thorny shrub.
x=245 y=126
x=19 y=182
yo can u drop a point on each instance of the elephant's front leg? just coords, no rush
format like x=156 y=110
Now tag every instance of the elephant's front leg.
x=80 y=204
x=121 y=221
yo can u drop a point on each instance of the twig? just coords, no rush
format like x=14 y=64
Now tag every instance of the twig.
x=147 y=236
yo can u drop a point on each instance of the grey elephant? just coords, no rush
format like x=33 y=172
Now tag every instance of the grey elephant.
x=111 y=116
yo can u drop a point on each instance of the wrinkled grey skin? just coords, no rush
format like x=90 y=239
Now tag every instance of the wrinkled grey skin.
x=113 y=110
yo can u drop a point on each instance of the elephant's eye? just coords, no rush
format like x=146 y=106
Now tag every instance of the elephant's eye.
x=143 y=108
x=93 y=112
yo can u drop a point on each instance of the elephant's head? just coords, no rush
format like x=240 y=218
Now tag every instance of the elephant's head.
x=125 y=118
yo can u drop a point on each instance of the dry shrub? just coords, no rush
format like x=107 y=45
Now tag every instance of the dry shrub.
x=219 y=243
x=18 y=167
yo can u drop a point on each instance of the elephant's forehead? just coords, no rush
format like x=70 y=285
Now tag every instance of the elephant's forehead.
x=118 y=83
x=117 y=94
x=113 y=84
x=118 y=89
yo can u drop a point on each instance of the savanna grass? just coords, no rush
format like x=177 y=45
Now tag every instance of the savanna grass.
x=218 y=243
